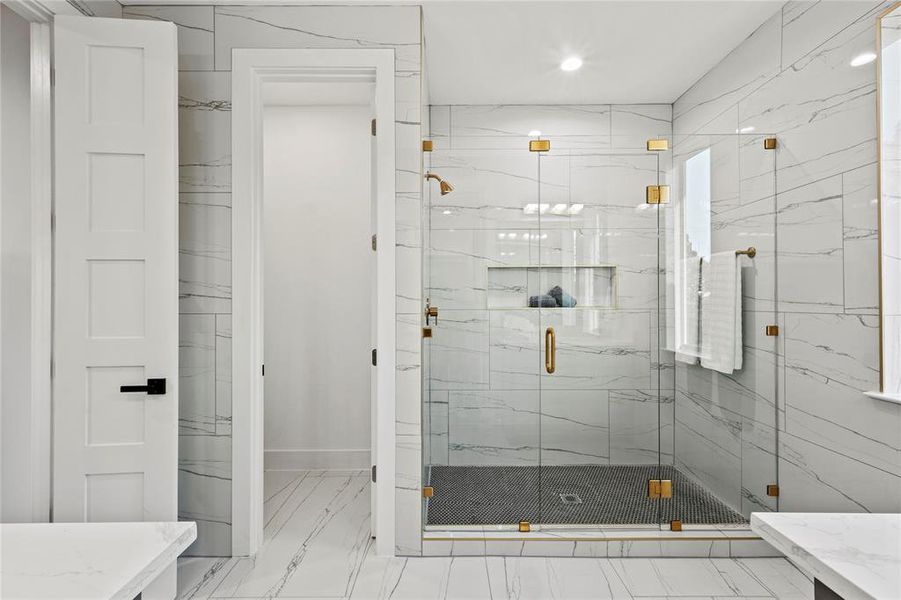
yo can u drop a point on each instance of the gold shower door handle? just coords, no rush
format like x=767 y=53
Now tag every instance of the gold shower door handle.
x=550 y=350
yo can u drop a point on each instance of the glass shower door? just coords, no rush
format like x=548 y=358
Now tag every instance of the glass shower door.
x=482 y=401
x=600 y=381
x=722 y=216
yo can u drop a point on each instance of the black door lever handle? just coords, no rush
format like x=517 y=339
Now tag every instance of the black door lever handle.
x=154 y=387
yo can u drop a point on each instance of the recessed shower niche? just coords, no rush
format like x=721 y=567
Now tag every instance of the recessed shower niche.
x=588 y=286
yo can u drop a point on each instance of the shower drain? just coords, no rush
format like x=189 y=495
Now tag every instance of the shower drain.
x=570 y=499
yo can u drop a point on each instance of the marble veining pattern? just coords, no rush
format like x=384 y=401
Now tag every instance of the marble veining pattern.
x=836 y=449
x=856 y=556
x=87 y=560
x=312 y=551
x=206 y=37
x=483 y=254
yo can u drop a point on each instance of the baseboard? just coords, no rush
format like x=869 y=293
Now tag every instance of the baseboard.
x=301 y=460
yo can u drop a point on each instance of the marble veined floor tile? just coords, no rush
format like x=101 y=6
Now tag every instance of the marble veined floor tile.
x=315 y=549
x=198 y=577
x=684 y=577
x=277 y=489
x=526 y=578
x=781 y=578
x=421 y=578
x=317 y=545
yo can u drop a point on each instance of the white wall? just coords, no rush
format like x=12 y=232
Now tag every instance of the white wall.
x=317 y=290
x=15 y=316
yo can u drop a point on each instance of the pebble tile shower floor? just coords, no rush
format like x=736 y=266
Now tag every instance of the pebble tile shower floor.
x=579 y=494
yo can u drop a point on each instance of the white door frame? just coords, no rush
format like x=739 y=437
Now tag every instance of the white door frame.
x=250 y=68
x=40 y=16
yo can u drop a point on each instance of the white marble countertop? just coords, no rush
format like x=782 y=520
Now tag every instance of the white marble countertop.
x=856 y=555
x=87 y=560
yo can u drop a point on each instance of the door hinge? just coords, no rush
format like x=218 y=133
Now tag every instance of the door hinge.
x=657 y=194
x=657 y=145
x=375 y=357
x=539 y=145
x=373 y=473
x=525 y=526
x=769 y=144
x=426 y=332
x=772 y=330
x=375 y=242
x=428 y=491
x=372 y=126
x=772 y=490
x=675 y=525
x=660 y=488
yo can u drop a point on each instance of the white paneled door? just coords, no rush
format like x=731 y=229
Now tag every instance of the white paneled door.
x=116 y=273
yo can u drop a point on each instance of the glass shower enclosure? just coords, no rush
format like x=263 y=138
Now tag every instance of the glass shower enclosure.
x=563 y=383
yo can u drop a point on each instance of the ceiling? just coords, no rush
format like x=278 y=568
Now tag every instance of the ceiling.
x=633 y=51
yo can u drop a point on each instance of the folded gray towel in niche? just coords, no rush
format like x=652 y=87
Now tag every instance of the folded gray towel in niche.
x=562 y=299
x=542 y=301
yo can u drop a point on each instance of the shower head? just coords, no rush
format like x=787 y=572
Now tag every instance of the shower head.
x=444 y=186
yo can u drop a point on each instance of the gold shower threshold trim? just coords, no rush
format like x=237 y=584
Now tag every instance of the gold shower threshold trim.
x=671 y=538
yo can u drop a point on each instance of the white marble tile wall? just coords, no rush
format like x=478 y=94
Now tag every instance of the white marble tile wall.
x=485 y=358
x=837 y=449
x=890 y=152
x=206 y=37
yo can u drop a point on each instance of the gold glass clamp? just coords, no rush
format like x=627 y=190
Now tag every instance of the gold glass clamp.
x=657 y=194
x=430 y=312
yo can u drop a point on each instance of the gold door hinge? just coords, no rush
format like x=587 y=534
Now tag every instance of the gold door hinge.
x=772 y=490
x=539 y=145
x=426 y=332
x=657 y=194
x=372 y=126
x=769 y=144
x=660 y=488
x=525 y=527
x=428 y=491
x=427 y=145
x=658 y=145
x=675 y=525
x=772 y=330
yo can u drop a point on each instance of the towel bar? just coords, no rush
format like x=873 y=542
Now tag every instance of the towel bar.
x=751 y=252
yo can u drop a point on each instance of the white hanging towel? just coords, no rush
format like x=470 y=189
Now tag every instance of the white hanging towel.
x=721 y=345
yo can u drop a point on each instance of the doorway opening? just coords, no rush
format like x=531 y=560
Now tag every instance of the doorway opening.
x=318 y=281
x=313 y=279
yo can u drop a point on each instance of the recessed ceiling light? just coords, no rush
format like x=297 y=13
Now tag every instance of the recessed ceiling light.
x=534 y=133
x=571 y=64
x=863 y=59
